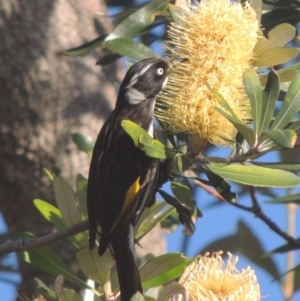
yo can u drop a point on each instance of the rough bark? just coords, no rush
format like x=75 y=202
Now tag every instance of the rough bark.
x=44 y=97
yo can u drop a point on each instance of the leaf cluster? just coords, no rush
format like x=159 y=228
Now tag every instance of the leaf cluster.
x=71 y=209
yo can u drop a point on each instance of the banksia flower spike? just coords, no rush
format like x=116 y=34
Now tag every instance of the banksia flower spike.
x=217 y=38
x=209 y=278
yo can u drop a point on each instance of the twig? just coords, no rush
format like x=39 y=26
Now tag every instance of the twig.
x=256 y=209
x=25 y=244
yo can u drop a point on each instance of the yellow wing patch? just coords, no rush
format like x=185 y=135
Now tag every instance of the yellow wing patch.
x=130 y=195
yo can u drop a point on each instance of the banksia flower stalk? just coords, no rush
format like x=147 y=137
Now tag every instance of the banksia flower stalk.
x=217 y=39
x=209 y=278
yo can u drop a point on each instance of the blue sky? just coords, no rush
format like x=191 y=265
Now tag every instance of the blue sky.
x=8 y=281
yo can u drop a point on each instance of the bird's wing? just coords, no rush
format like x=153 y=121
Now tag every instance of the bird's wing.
x=121 y=180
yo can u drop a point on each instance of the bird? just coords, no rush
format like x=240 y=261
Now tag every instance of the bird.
x=122 y=178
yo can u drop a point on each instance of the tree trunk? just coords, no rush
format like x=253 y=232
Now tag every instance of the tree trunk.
x=45 y=97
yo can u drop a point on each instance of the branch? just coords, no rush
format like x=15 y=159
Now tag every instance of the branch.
x=257 y=210
x=25 y=244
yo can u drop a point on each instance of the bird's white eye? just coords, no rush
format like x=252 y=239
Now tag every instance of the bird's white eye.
x=160 y=71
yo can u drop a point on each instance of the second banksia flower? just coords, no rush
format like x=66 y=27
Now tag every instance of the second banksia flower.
x=209 y=278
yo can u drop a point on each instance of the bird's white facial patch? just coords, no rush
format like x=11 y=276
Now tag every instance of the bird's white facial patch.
x=134 y=96
x=150 y=130
x=137 y=75
x=151 y=112
x=144 y=70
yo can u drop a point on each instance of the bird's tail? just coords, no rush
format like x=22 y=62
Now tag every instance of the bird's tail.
x=122 y=246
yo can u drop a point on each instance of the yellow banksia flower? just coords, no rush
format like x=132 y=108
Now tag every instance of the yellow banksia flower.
x=209 y=278
x=217 y=38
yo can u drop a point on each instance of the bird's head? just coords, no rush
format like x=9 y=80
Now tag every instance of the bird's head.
x=144 y=80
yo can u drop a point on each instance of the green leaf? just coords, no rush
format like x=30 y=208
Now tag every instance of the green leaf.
x=284 y=138
x=133 y=130
x=44 y=290
x=252 y=248
x=135 y=23
x=253 y=90
x=276 y=56
x=290 y=106
x=152 y=147
x=68 y=207
x=95 y=267
x=48 y=174
x=256 y=175
x=283 y=166
x=171 y=290
x=50 y=213
x=70 y=295
x=264 y=145
x=295 y=127
x=163 y=269
x=186 y=215
x=86 y=47
x=171 y=138
x=84 y=142
x=170 y=223
x=293 y=67
x=282 y=249
x=183 y=193
x=222 y=102
x=296 y=278
x=66 y=201
x=151 y=217
x=179 y=163
x=137 y=297
x=243 y=128
x=221 y=186
x=53 y=215
x=269 y=98
x=81 y=188
x=48 y=261
x=287 y=76
x=288 y=199
x=132 y=49
x=279 y=36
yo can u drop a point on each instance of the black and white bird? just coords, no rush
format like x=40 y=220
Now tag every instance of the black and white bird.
x=122 y=179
